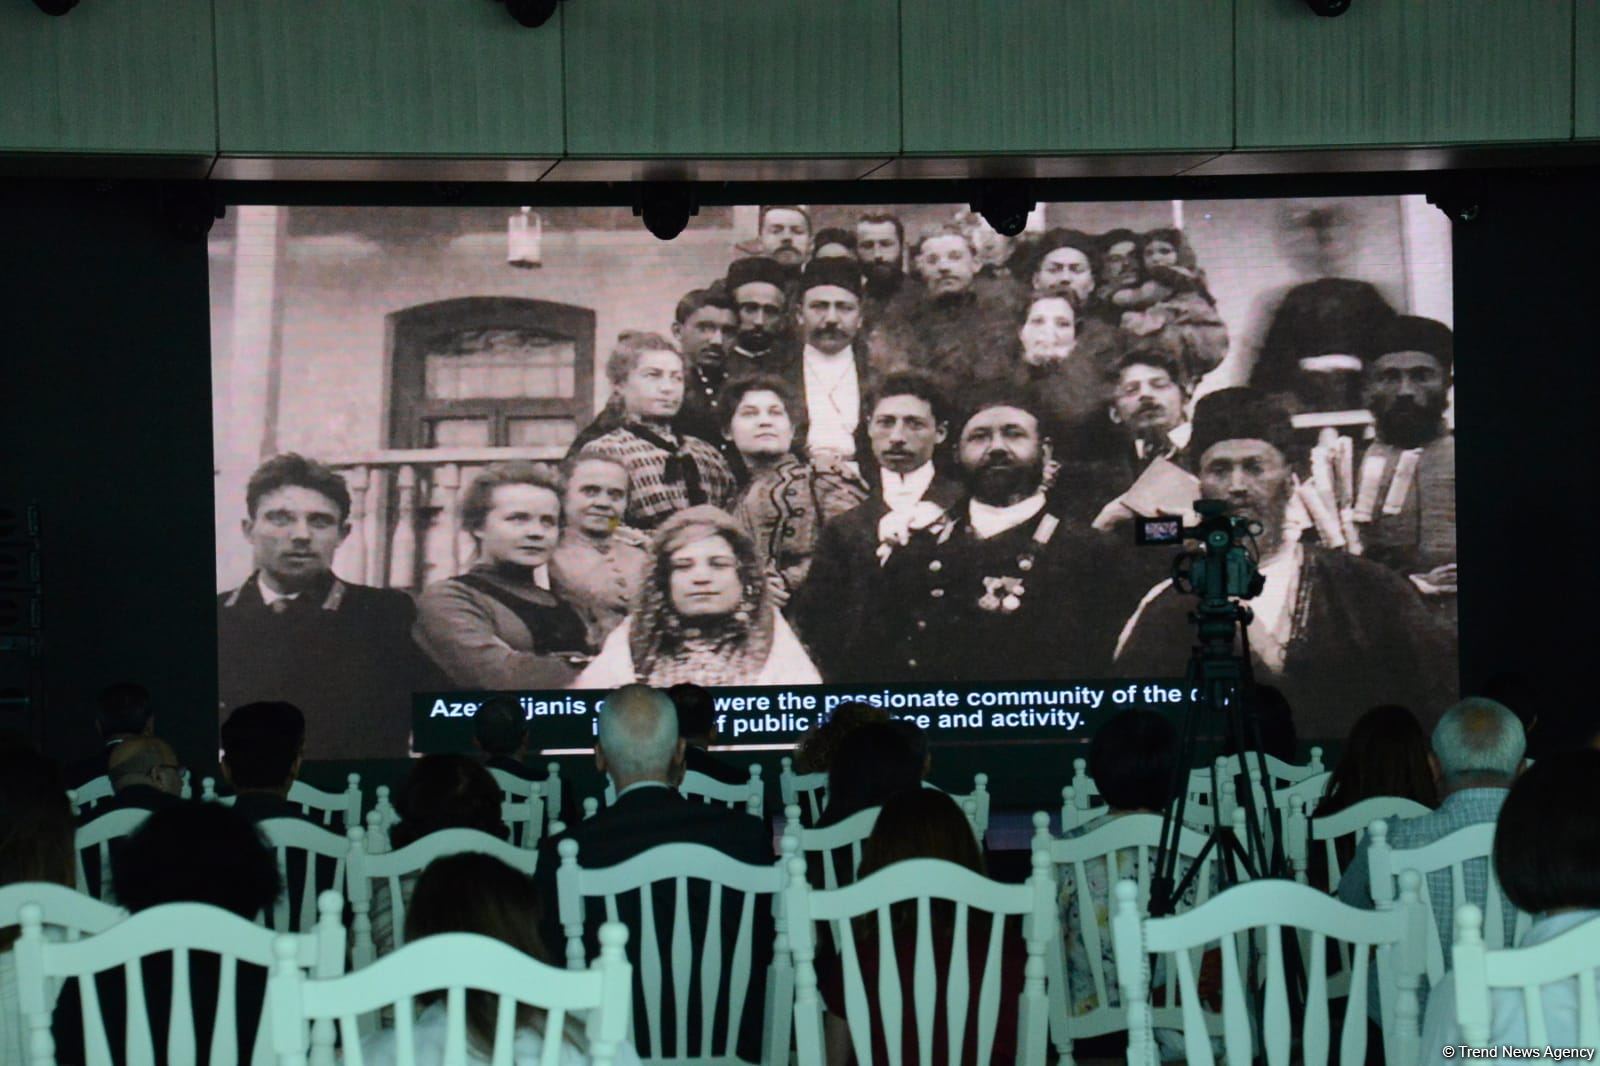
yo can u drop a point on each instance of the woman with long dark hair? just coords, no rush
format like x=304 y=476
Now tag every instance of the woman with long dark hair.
x=473 y=893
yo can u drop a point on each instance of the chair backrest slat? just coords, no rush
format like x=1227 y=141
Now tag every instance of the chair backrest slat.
x=224 y=1048
x=890 y=1003
x=855 y=997
x=1314 y=1043
x=505 y=1034
x=180 y=1031
x=740 y=972
x=959 y=995
x=989 y=991
x=1275 y=1019
x=710 y=966
x=924 y=991
x=682 y=964
x=649 y=961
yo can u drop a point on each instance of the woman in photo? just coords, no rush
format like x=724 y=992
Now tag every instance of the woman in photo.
x=498 y=626
x=705 y=615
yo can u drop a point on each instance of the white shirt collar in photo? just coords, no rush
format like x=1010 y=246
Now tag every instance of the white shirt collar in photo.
x=833 y=400
x=988 y=520
x=270 y=596
x=1272 y=623
x=1177 y=440
x=903 y=491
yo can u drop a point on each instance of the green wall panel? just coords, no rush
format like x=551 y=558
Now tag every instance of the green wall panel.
x=1404 y=72
x=126 y=76
x=407 y=77
x=1586 y=75
x=732 y=77
x=1067 y=75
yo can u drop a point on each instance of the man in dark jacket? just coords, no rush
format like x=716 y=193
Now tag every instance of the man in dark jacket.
x=640 y=751
x=339 y=651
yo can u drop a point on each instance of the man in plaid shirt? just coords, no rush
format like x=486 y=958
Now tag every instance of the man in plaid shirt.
x=666 y=472
x=1477 y=750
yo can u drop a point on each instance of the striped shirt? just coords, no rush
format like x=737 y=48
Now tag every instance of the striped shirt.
x=658 y=483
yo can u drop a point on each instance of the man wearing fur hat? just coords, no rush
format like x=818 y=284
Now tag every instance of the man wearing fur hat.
x=759 y=287
x=829 y=378
x=1405 y=500
x=1335 y=632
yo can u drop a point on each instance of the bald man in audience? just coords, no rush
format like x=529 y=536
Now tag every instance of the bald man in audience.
x=641 y=753
x=145 y=775
x=1478 y=749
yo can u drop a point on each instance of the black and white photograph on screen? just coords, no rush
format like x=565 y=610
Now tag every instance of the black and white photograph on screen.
x=488 y=449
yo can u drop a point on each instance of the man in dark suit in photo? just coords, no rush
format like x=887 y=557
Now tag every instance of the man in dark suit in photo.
x=294 y=631
x=641 y=752
x=908 y=418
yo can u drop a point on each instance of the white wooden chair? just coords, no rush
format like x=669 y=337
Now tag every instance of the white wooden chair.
x=831 y=840
x=696 y=961
x=809 y=790
x=750 y=796
x=178 y=928
x=453 y=963
x=1292 y=804
x=975 y=805
x=313 y=801
x=1126 y=848
x=1282 y=773
x=523 y=819
x=67 y=914
x=1444 y=866
x=90 y=793
x=366 y=869
x=1479 y=972
x=1274 y=907
x=99 y=834
x=1330 y=831
x=543 y=797
x=920 y=881
x=1081 y=800
x=286 y=835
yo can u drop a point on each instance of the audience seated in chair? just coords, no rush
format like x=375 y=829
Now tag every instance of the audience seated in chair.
x=917 y=740
x=500 y=733
x=200 y=852
x=921 y=823
x=471 y=893
x=1547 y=857
x=1386 y=754
x=813 y=753
x=871 y=764
x=36 y=830
x=261 y=745
x=146 y=775
x=440 y=792
x=122 y=711
x=640 y=751
x=697 y=728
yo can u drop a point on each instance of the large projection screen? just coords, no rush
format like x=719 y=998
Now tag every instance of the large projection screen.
x=811 y=453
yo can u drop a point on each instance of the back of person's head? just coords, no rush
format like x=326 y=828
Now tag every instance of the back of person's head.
x=148 y=761
x=638 y=735
x=697 y=716
x=920 y=823
x=1385 y=755
x=872 y=764
x=473 y=893
x=261 y=745
x=1274 y=718
x=1132 y=759
x=1547 y=840
x=917 y=738
x=446 y=792
x=814 y=753
x=197 y=852
x=124 y=709
x=500 y=726
x=1478 y=741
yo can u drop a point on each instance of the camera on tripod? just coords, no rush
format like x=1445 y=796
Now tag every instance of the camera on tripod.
x=1223 y=567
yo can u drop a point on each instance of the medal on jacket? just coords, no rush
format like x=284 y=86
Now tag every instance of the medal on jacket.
x=1001 y=594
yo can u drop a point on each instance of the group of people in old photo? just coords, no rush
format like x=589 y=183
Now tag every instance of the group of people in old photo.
x=863 y=455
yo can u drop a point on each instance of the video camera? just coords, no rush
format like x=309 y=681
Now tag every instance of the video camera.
x=1223 y=568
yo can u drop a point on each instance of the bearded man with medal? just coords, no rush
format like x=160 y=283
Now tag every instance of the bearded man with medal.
x=998 y=588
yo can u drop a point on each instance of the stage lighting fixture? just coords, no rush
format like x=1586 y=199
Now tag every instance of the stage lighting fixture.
x=1005 y=205
x=1328 y=8
x=55 y=7
x=530 y=13
x=665 y=207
